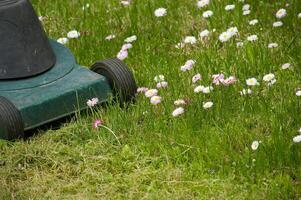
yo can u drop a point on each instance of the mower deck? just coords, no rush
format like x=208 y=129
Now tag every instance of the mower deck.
x=53 y=94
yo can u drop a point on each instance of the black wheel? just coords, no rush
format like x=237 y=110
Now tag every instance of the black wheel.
x=120 y=78
x=11 y=124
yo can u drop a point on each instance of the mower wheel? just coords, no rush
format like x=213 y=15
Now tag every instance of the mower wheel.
x=120 y=78
x=11 y=124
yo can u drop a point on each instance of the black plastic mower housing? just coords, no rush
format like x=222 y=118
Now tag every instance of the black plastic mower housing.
x=24 y=46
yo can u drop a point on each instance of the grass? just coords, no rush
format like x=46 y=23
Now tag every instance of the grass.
x=203 y=154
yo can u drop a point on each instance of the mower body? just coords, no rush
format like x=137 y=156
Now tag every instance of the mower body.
x=59 y=92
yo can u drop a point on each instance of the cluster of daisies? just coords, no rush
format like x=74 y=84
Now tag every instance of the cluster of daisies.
x=123 y=53
x=217 y=79
x=70 y=35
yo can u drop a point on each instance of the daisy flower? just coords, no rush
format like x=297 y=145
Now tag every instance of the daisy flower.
x=203 y=3
x=73 y=34
x=285 y=66
x=142 y=89
x=218 y=78
x=207 y=105
x=246 y=7
x=179 y=102
x=246 y=12
x=159 y=78
x=252 y=38
x=252 y=82
x=188 y=65
x=178 y=111
x=92 y=102
x=281 y=13
x=299 y=15
x=229 y=81
x=62 y=40
x=207 y=14
x=126 y=2
x=272 y=45
x=297 y=139
x=224 y=37
x=150 y=93
x=253 y=22
x=97 y=123
x=198 y=89
x=162 y=84
x=207 y=90
x=196 y=78
x=298 y=93
x=229 y=7
x=122 y=55
x=127 y=46
x=277 y=24
x=268 y=77
x=255 y=145
x=131 y=39
x=190 y=40
x=155 y=100
x=232 y=31
x=204 y=33
x=110 y=37
x=160 y=12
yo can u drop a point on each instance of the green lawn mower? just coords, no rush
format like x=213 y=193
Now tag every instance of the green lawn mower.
x=40 y=81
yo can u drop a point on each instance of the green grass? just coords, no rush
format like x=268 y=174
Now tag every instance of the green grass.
x=203 y=154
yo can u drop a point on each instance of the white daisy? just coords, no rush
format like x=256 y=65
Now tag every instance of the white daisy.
x=160 y=12
x=204 y=33
x=150 y=93
x=155 y=100
x=252 y=82
x=207 y=14
x=131 y=39
x=285 y=66
x=62 y=40
x=255 y=145
x=268 y=77
x=281 y=13
x=246 y=12
x=159 y=78
x=198 y=89
x=272 y=45
x=277 y=24
x=110 y=37
x=73 y=34
x=203 y=3
x=246 y=7
x=229 y=7
x=190 y=40
x=232 y=31
x=252 y=38
x=178 y=111
x=253 y=22
x=207 y=105
x=298 y=93
x=224 y=37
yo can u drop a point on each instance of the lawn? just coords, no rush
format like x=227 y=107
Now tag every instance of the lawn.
x=243 y=146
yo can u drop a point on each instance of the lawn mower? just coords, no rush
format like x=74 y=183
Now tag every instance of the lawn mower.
x=40 y=81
